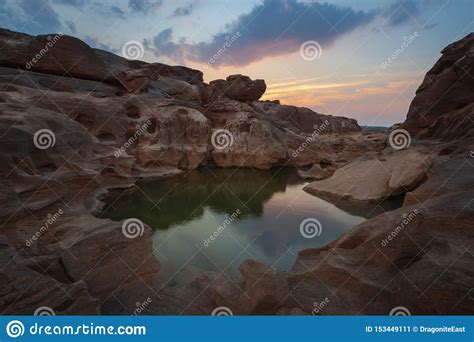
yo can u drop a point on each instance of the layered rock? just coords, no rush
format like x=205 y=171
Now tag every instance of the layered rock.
x=306 y=120
x=52 y=54
x=443 y=105
x=376 y=179
x=239 y=87
x=261 y=290
x=316 y=172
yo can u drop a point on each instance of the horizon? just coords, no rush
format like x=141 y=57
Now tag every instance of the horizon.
x=363 y=60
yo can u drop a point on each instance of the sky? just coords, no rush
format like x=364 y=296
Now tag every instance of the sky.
x=362 y=58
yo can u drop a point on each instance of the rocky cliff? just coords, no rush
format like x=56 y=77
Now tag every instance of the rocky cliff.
x=77 y=121
x=443 y=105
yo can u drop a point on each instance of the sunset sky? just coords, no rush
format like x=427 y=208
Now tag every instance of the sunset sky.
x=352 y=75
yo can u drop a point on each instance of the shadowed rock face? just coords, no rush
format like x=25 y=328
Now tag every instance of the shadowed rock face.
x=443 y=105
x=240 y=88
x=111 y=121
x=52 y=54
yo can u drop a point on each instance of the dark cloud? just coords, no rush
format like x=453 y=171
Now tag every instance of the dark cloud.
x=184 y=10
x=269 y=29
x=117 y=11
x=401 y=12
x=144 y=6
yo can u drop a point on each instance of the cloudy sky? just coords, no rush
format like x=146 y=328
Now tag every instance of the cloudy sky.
x=362 y=59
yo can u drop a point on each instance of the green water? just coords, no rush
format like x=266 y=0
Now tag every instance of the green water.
x=263 y=209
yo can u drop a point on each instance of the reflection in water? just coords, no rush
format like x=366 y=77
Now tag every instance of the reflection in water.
x=186 y=210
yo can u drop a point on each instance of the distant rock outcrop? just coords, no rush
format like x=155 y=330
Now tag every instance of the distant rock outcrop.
x=240 y=88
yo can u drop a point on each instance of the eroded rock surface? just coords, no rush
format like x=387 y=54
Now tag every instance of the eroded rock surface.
x=240 y=88
x=443 y=105
x=375 y=179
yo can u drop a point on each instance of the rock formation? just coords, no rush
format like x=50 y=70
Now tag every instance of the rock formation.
x=443 y=105
x=77 y=121
x=376 y=179
x=240 y=88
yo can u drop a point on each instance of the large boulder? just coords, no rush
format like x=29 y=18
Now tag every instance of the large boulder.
x=240 y=88
x=375 y=179
x=261 y=291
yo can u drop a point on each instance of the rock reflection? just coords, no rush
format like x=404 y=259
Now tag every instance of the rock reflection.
x=186 y=210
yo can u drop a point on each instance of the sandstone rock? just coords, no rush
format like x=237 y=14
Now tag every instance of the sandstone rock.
x=178 y=89
x=67 y=56
x=305 y=120
x=121 y=260
x=253 y=145
x=181 y=73
x=25 y=287
x=240 y=88
x=375 y=179
x=264 y=285
x=260 y=140
x=180 y=138
x=54 y=54
x=134 y=80
x=317 y=173
x=443 y=105
x=262 y=291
